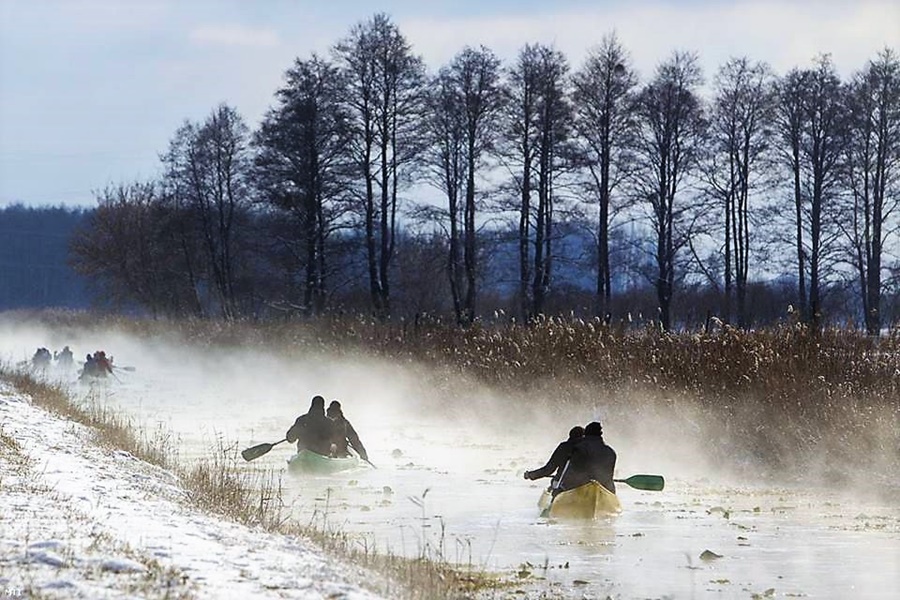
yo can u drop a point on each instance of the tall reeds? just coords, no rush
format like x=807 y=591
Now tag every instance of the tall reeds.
x=786 y=395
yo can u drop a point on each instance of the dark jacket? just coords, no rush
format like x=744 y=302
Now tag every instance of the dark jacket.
x=557 y=461
x=344 y=436
x=591 y=459
x=312 y=431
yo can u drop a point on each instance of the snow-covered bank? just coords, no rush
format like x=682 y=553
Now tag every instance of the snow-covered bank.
x=81 y=521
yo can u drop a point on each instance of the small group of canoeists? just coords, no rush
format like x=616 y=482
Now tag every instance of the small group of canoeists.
x=324 y=440
x=582 y=469
x=97 y=366
x=42 y=359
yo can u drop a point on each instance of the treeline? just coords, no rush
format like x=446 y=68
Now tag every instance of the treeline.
x=34 y=252
x=531 y=187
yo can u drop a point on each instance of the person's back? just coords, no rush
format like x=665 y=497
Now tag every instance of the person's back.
x=65 y=358
x=313 y=430
x=343 y=434
x=88 y=370
x=339 y=444
x=41 y=358
x=559 y=458
x=102 y=364
x=591 y=459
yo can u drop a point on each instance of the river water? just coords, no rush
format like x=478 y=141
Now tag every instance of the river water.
x=448 y=483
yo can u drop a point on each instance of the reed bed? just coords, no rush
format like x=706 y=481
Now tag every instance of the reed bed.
x=788 y=394
x=791 y=396
x=779 y=362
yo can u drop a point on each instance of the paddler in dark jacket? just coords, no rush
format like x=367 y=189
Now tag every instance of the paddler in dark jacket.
x=343 y=434
x=312 y=431
x=591 y=459
x=559 y=458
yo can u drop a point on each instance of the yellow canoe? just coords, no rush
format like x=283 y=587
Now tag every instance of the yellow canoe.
x=587 y=501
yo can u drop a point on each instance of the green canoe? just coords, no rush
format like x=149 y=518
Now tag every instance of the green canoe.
x=307 y=461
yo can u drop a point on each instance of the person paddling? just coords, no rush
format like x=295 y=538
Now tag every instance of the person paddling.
x=64 y=358
x=313 y=430
x=591 y=459
x=89 y=368
x=41 y=359
x=102 y=365
x=343 y=435
x=558 y=459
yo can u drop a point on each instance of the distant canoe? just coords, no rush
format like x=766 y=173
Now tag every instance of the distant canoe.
x=588 y=501
x=313 y=463
x=92 y=378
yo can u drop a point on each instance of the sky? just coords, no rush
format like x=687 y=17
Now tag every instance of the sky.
x=91 y=91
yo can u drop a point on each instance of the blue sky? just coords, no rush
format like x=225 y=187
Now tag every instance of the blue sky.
x=91 y=91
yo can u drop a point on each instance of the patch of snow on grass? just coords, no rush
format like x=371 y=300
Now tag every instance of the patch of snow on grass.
x=81 y=521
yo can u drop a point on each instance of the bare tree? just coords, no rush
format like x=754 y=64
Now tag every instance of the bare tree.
x=811 y=130
x=384 y=92
x=739 y=144
x=602 y=97
x=538 y=127
x=207 y=166
x=873 y=166
x=668 y=149
x=125 y=250
x=464 y=107
x=789 y=123
x=301 y=167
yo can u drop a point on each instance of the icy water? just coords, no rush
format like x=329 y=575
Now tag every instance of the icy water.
x=448 y=484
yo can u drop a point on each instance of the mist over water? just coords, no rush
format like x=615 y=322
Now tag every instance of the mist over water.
x=450 y=454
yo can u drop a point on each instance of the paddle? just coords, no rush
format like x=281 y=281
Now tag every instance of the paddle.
x=361 y=458
x=653 y=483
x=129 y=369
x=258 y=450
x=556 y=482
x=113 y=373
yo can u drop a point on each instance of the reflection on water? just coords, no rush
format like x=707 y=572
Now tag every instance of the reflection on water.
x=443 y=490
x=692 y=540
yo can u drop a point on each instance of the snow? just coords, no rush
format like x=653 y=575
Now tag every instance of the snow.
x=81 y=521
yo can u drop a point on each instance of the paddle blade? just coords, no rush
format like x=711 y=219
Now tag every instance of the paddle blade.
x=256 y=451
x=652 y=483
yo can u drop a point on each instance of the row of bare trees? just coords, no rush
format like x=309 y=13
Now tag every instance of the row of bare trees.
x=716 y=185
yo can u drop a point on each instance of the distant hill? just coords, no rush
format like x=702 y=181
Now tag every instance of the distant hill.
x=34 y=246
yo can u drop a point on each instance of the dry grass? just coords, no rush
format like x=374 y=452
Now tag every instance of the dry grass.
x=251 y=497
x=112 y=430
x=11 y=456
x=10 y=447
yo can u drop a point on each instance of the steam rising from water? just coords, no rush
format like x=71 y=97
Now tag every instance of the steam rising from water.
x=240 y=396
